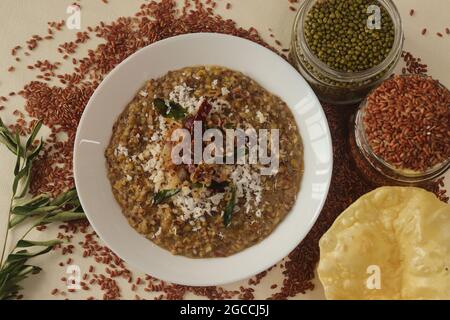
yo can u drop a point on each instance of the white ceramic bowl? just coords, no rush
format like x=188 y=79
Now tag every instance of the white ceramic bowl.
x=118 y=89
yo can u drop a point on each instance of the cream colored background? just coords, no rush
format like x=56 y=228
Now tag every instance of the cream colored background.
x=22 y=18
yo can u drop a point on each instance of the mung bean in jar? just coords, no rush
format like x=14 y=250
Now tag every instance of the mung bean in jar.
x=345 y=48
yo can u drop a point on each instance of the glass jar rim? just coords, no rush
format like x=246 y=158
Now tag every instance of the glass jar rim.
x=363 y=143
x=342 y=76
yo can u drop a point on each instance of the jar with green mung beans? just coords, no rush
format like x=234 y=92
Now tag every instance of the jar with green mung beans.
x=345 y=48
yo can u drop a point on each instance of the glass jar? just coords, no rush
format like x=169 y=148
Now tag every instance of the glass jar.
x=375 y=169
x=338 y=87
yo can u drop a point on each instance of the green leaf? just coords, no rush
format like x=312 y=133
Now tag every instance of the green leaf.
x=11 y=275
x=20 y=148
x=36 y=151
x=7 y=138
x=172 y=110
x=16 y=184
x=198 y=185
x=18 y=161
x=29 y=211
x=24 y=255
x=176 y=111
x=65 y=197
x=64 y=217
x=33 y=203
x=215 y=186
x=27 y=179
x=28 y=243
x=160 y=106
x=16 y=220
x=14 y=269
x=164 y=195
x=229 y=209
x=34 y=133
x=218 y=186
x=8 y=143
x=25 y=172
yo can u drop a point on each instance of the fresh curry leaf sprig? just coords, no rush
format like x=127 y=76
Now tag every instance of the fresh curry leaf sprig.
x=42 y=209
x=65 y=207
x=15 y=269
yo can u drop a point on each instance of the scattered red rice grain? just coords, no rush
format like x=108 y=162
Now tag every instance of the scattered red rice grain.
x=228 y=7
x=411 y=12
x=41 y=228
x=413 y=64
x=447 y=30
x=424 y=31
x=11 y=69
x=439 y=34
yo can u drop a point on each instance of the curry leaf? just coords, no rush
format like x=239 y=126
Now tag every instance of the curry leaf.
x=34 y=133
x=218 y=186
x=65 y=207
x=28 y=243
x=164 y=195
x=172 y=110
x=24 y=255
x=65 y=197
x=229 y=209
x=65 y=216
x=17 y=220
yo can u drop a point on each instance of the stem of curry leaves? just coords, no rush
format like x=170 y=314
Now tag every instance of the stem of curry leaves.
x=65 y=207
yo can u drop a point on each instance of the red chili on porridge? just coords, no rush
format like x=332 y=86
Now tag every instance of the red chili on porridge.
x=202 y=210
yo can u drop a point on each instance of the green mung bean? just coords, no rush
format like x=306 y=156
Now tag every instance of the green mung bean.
x=337 y=33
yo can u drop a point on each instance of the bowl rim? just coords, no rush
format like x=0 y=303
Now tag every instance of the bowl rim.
x=284 y=251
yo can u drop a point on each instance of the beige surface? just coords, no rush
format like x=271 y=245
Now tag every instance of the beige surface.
x=23 y=18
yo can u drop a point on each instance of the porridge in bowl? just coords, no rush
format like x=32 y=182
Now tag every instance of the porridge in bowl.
x=203 y=209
